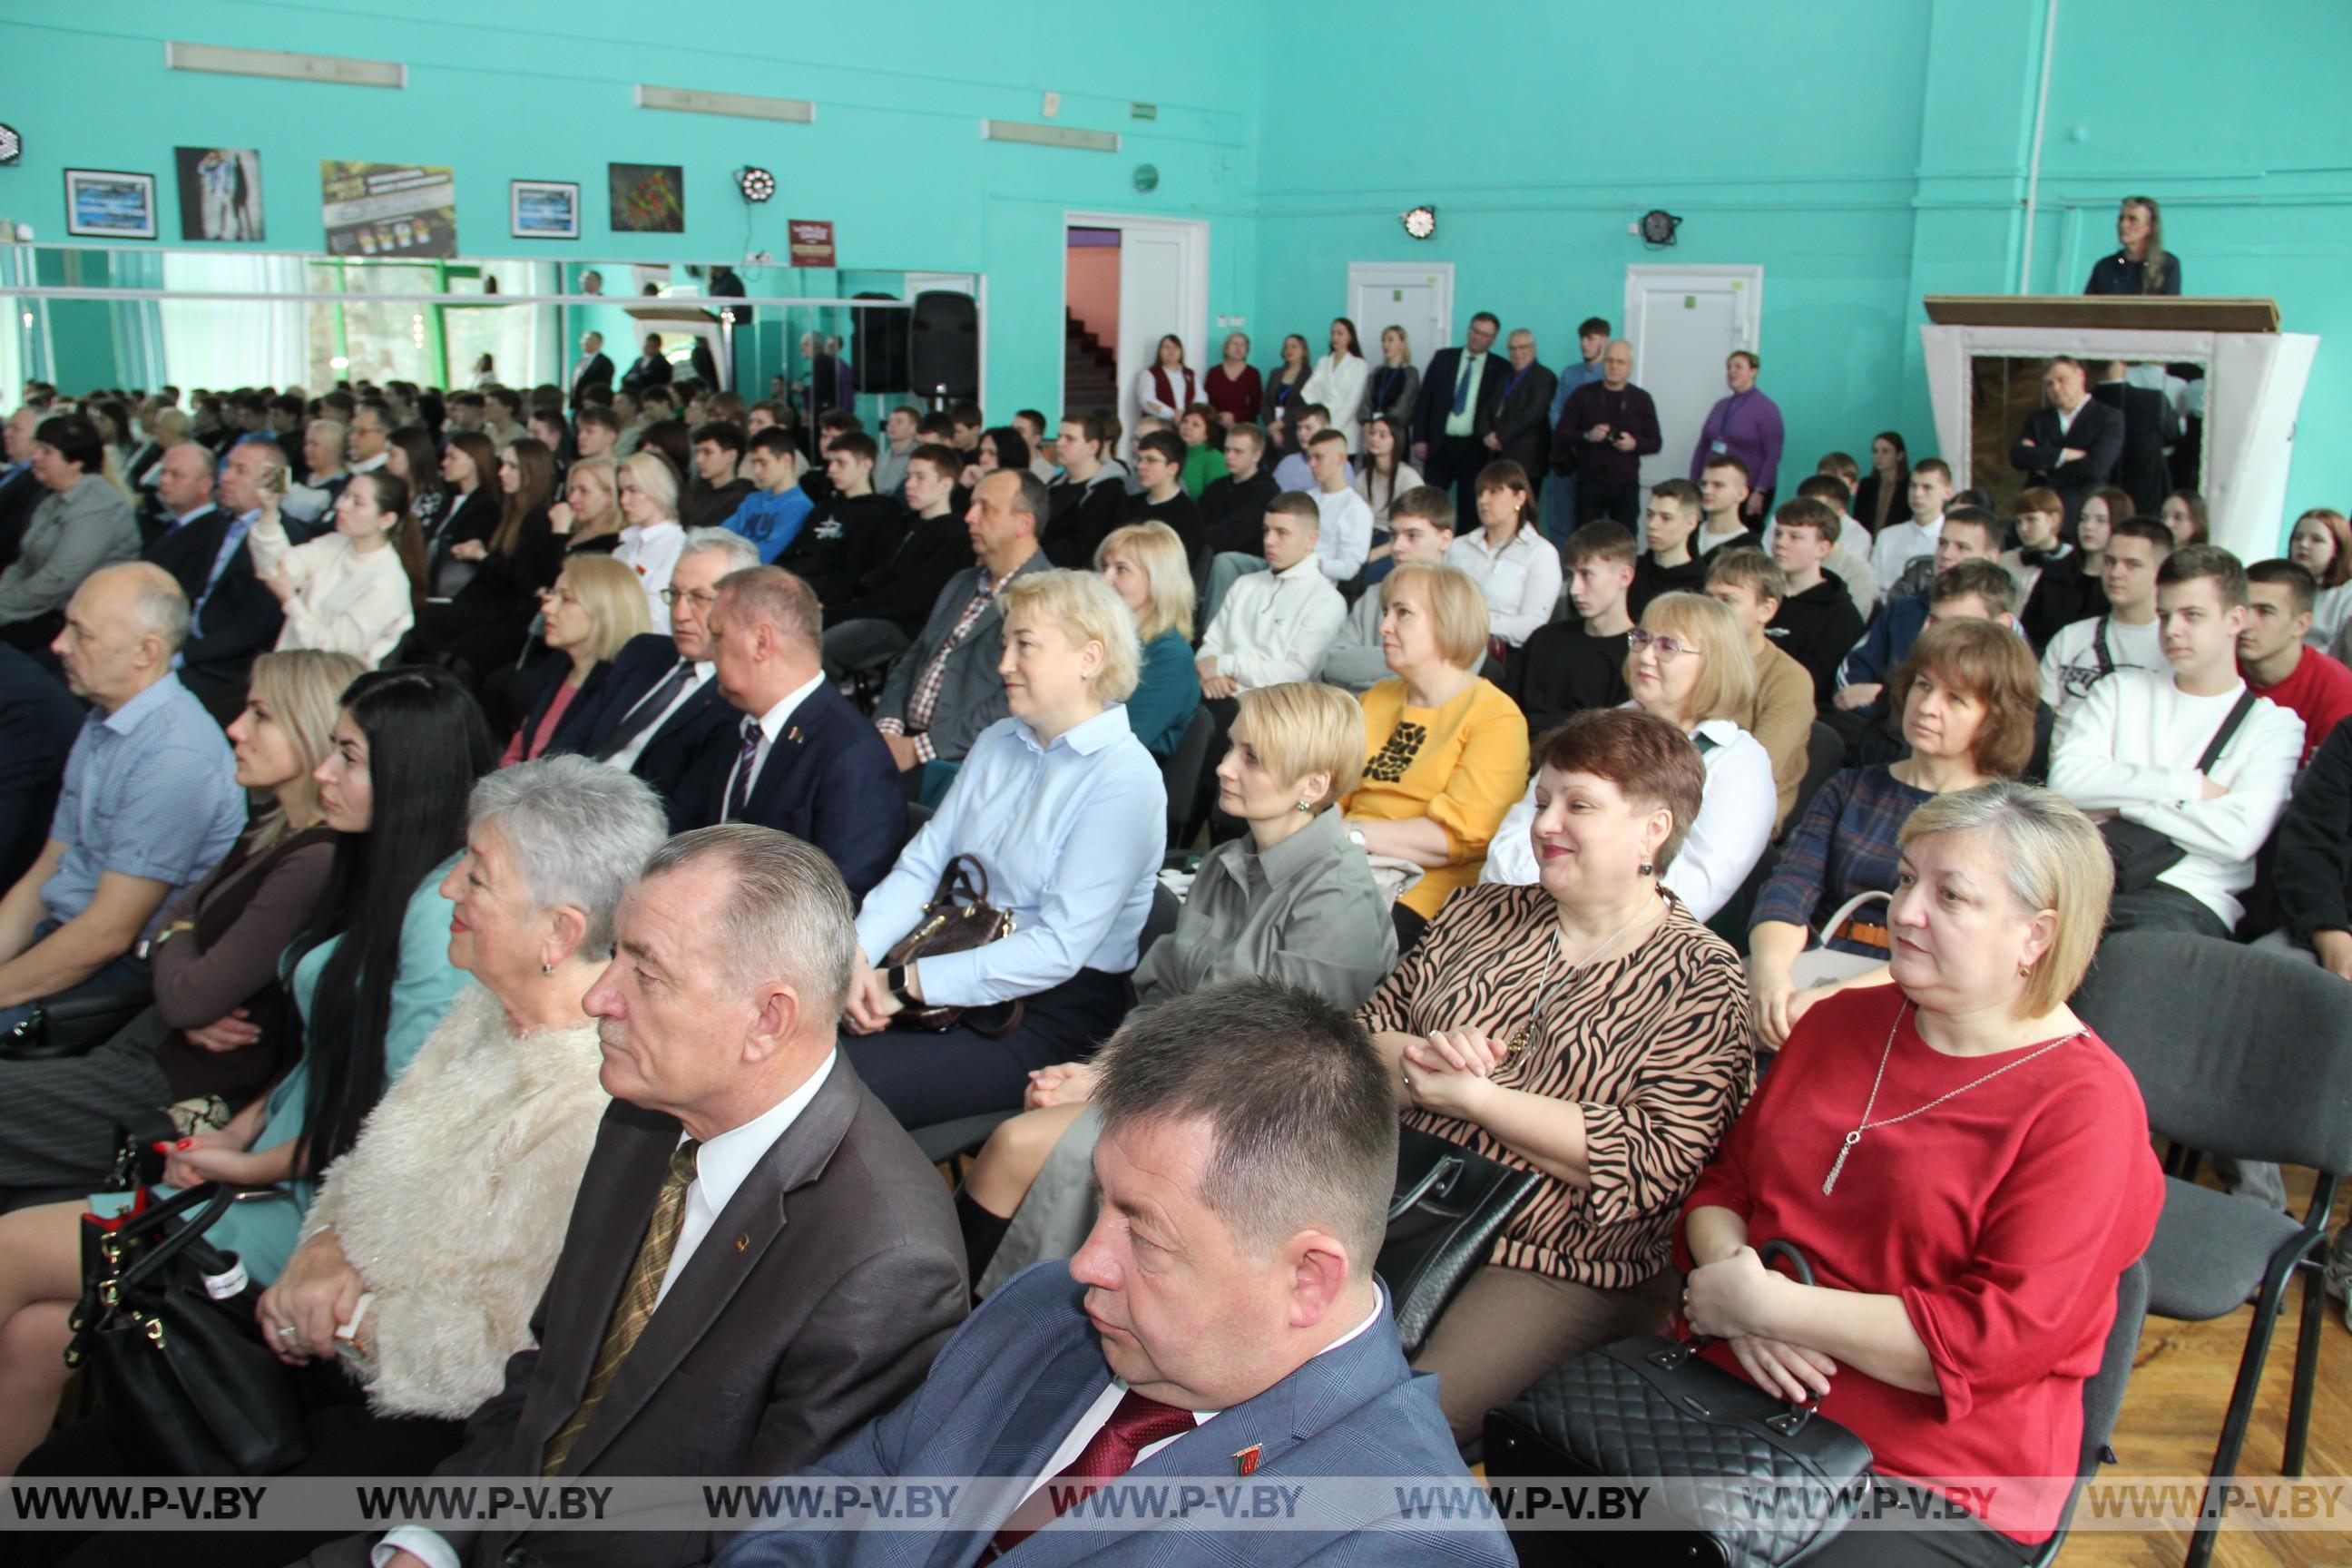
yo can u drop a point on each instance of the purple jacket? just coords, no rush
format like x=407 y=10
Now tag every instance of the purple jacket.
x=1749 y=426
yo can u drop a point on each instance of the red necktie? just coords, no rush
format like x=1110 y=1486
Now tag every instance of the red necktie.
x=1137 y=1423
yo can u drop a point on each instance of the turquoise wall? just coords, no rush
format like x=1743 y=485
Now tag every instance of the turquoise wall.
x=1865 y=152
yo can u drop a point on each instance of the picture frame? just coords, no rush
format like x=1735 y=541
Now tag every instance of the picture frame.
x=543 y=209
x=110 y=204
x=648 y=198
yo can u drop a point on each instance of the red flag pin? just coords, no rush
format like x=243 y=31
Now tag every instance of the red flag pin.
x=1246 y=1459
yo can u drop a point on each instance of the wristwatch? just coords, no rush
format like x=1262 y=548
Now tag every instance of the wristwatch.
x=1356 y=838
x=894 y=980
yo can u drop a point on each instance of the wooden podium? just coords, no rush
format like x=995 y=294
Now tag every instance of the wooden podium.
x=2255 y=377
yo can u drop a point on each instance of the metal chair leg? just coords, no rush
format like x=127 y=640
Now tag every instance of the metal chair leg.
x=2306 y=1366
x=2232 y=1441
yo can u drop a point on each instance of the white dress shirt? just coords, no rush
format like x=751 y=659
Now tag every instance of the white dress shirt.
x=652 y=553
x=772 y=726
x=626 y=757
x=1275 y=625
x=1521 y=580
x=1345 y=540
x=1898 y=546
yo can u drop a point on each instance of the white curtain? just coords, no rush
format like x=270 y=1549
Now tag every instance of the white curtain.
x=234 y=343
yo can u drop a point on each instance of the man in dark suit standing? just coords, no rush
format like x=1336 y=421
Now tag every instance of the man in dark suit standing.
x=2140 y=469
x=760 y=1260
x=594 y=367
x=1222 y=1320
x=1456 y=410
x=2071 y=445
x=1522 y=432
x=659 y=712
x=806 y=762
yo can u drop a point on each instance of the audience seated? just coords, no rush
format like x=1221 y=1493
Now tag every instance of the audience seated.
x=1849 y=557
x=1226 y=1294
x=1670 y=565
x=851 y=537
x=2049 y=569
x=651 y=536
x=1974 y=590
x=1588 y=1028
x=1275 y=623
x=1967 y=697
x=2315 y=897
x=1724 y=515
x=40 y=721
x=1061 y=813
x=1897 y=544
x=345 y=592
x=221 y=1027
x=184 y=498
x=1515 y=566
x=81 y=524
x=1294 y=472
x=1420 y=528
x=2123 y=635
x=1293 y=901
x=2183 y=512
x=717 y=488
x=1233 y=508
x=20 y=492
x=1580 y=662
x=1384 y=476
x=470 y=516
x=485 y=626
x=1968 y=1225
x=885 y=609
x=945 y=691
x=731 y=1112
x=1968 y=534
x=773 y=513
x=1086 y=500
x=1780 y=716
x=2320 y=543
x=1688 y=665
x=1817 y=623
x=1160 y=468
x=1146 y=565
x=1344 y=537
x=376 y=952
x=2275 y=659
x=807 y=763
x=596 y=608
x=149 y=803
x=2135 y=749
x=1447 y=751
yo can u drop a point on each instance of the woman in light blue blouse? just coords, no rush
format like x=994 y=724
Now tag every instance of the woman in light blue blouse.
x=1145 y=565
x=408 y=745
x=1062 y=809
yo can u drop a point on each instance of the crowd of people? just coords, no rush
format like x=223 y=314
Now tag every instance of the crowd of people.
x=619 y=818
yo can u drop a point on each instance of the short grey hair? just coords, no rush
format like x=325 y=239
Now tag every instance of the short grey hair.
x=579 y=831
x=155 y=604
x=740 y=552
x=789 y=918
x=1302 y=1118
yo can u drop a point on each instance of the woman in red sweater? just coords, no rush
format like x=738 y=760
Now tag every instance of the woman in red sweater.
x=1966 y=1166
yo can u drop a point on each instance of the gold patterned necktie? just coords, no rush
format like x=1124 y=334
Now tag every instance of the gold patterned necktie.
x=636 y=1307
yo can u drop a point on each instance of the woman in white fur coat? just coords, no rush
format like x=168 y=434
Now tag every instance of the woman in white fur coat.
x=432 y=1240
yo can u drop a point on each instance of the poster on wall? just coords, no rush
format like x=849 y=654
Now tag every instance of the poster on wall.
x=105 y=204
x=648 y=198
x=220 y=193
x=388 y=209
x=543 y=209
x=812 y=243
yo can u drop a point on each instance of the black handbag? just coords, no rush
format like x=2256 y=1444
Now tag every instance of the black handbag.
x=75 y=1023
x=2141 y=854
x=1450 y=1206
x=1651 y=1407
x=165 y=1326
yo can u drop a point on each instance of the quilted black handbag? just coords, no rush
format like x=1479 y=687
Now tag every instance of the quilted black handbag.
x=1450 y=1206
x=165 y=1326
x=1651 y=1407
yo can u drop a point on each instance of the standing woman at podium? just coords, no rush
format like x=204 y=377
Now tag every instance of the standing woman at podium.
x=2141 y=265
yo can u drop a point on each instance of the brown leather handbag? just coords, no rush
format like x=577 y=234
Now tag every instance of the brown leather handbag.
x=957 y=919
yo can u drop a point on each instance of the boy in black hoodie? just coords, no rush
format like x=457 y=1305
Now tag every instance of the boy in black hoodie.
x=852 y=531
x=1817 y=623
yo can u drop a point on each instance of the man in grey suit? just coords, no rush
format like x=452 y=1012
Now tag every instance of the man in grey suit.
x=1522 y=432
x=945 y=690
x=760 y=1260
x=1220 y=1321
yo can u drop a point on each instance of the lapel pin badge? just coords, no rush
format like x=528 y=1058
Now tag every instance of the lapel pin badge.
x=794 y=734
x=742 y=1242
x=1246 y=1459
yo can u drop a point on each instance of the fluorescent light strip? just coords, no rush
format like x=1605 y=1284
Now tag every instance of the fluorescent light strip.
x=1033 y=135
x=220 y=61
x=736 y=105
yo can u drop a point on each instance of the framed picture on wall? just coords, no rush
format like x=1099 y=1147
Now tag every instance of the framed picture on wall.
x=102 y=204
x=543 y=209
x=648 y=198
x=220 y=193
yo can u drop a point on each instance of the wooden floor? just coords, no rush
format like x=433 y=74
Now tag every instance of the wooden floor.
x=2172 y=1414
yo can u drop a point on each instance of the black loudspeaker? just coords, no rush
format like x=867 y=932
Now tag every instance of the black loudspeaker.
x=878 y=352
x=944 y=357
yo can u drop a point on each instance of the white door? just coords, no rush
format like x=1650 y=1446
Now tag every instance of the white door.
x=1383 y=294
x=1163 y=286
x=1682 y=322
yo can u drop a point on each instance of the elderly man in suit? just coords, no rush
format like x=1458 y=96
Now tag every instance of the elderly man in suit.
x=1522 y=432
x=659 y=714
x=1221 y=1320
x=2074 y=444
x=1456 y=410
x=233 y=618
x=946 y=690
x=760 y=1260
x=808 y=764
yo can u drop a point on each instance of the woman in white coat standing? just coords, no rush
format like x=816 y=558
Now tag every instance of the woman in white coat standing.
x=345 y=592
x=1339 y=379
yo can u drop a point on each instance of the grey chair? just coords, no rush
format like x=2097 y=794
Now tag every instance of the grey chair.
x=2248 y=1054
x=1824 y=754
x=1182 y=774
x=2103 y=1397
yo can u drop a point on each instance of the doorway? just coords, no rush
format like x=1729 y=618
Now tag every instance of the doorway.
x=1162 y=287
x=1683 y=323
x=1385 y=294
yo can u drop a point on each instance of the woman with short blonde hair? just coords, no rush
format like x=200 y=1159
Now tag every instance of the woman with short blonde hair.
x=1145 y=565
x=596 y=607
x=1457 y=608
x=1085 y=610
x=646 y=488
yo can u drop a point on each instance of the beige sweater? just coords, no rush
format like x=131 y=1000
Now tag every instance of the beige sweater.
x=453 y=1204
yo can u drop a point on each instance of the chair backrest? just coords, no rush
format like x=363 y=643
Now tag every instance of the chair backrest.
x=1181 y=776
x=917 y=814
x=2237 y=1051
x=2103 y=1391
x=1824 y=754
